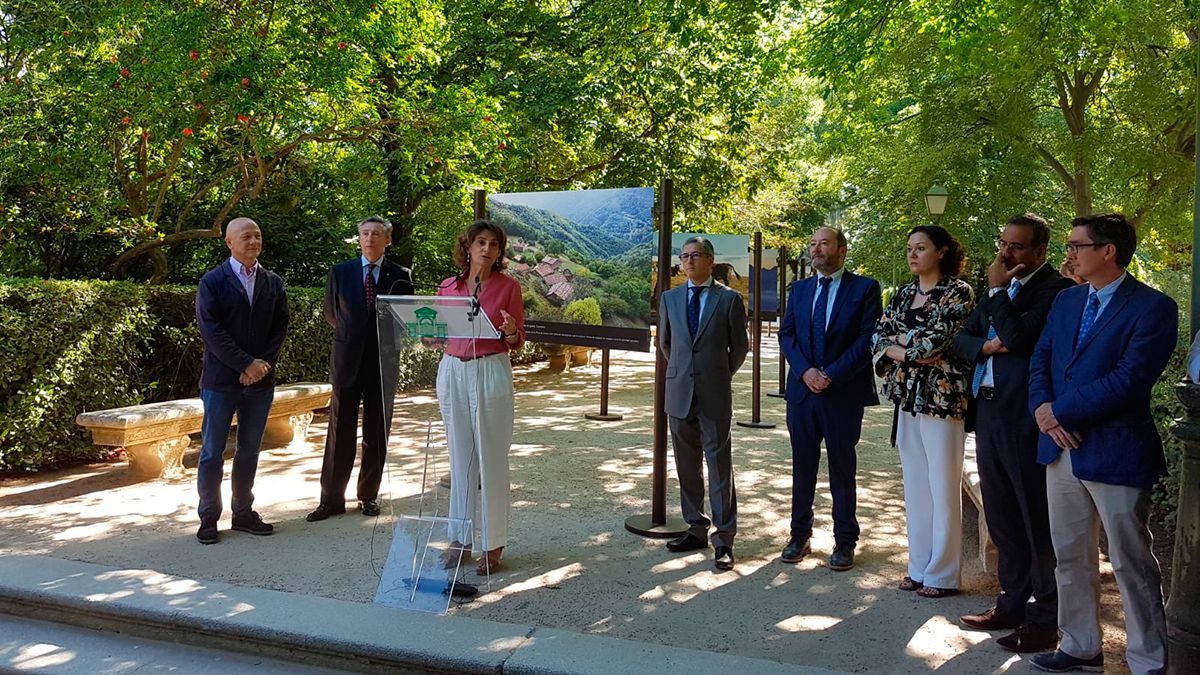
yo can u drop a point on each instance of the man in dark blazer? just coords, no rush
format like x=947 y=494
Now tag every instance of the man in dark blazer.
x=826 y=337
x=1104 y=346
x=702 y=334
x=242 y=312
x=998 y=337
x=355 y=373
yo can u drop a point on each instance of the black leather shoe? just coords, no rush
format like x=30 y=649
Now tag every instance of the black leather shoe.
x=991 y=619
x=723 y=558
x=1061 y=662
x=1027 y=639
x=207 y=534
x=369 y=507
x=688 y=542
x=795 y=550
x=252 y=523
x=842 y=557
x=323 y=511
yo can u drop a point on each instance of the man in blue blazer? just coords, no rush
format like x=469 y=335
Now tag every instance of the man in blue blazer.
x=354 y=371
x=1104 y=346
x=242 y=312
x=702 y=334
x=826 y=337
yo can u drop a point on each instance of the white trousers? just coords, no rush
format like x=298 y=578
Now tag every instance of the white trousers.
x=931 y=455
x=476 y=400
x=1077 y=509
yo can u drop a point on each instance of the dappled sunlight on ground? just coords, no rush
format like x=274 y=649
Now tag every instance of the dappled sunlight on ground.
x=569 y=562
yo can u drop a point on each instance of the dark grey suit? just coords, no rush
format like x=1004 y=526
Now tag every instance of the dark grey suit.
x=1012 y=481
x=354 y=372
x=699 y=402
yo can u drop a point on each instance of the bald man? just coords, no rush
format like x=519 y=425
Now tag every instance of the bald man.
x=242 y=311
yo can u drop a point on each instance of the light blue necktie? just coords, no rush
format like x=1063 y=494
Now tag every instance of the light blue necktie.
x=982 y=368
x=1089 y=317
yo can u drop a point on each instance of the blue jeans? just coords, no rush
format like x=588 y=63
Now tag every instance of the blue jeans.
x=252 y=406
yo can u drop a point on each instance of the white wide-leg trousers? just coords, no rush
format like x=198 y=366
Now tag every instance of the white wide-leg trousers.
x=476 y=400
x=931 y=455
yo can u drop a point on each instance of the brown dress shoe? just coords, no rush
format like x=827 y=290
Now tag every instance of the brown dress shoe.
x=991 y=619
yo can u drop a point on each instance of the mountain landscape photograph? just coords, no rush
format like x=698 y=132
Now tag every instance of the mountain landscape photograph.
x=582 y=257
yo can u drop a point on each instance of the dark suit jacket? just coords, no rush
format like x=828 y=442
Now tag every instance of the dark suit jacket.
x=1018 y=324
x=1101 y=391
x=235 y=334
x=702 y=369
x=346 y=311
x=856 y=308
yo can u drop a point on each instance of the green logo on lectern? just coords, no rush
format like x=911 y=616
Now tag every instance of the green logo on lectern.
x=426 y=325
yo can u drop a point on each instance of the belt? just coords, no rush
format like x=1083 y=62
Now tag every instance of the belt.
x=987 y=393
x=472 y=357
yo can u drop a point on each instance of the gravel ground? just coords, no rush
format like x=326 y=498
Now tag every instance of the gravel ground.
x=570 y=563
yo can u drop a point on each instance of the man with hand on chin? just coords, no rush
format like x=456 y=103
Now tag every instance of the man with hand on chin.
x=242 y=312
x=998 y=338
x=355 y=373
x=1104 y=346
x=702 y=334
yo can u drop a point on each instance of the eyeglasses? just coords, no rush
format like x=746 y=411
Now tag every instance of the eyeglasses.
x=1074 y=248
x=684 y=257
x=1002 y=245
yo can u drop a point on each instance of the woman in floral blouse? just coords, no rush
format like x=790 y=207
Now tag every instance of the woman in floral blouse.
x=912 y=352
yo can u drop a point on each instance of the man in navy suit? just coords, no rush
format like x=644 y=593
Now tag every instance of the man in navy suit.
x=1104 y=346
x=242 y=312
x=998 y=337
x=826 y=337
x=355 y=373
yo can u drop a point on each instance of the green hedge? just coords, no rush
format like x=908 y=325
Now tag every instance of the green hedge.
x=67 y=347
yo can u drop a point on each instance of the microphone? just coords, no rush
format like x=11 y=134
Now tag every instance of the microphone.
x=475 y=300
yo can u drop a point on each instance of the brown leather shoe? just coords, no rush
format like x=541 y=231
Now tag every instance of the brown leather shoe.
x=991 y=619
x=489 y=562
x=1027 y=639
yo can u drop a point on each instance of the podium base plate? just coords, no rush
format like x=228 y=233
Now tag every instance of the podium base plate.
x=756 y=425
x=604 y=417
x=645 y=526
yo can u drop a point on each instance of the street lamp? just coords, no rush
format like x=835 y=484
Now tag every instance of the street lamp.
x=935 y=199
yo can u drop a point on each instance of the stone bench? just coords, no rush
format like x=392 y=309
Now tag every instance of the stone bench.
x=971 y=488
x=155 y=435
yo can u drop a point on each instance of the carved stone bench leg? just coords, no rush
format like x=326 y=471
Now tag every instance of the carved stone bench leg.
x=283 y=430
x=157 y=459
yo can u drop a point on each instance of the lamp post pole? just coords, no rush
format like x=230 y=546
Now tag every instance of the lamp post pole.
x=1183 y=612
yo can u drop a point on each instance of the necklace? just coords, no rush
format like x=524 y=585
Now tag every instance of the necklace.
x=921 y=291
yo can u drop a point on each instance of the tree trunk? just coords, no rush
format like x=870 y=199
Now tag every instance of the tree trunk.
x=403 y=199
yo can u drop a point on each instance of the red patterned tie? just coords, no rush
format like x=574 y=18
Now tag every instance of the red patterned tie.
x=369 y=287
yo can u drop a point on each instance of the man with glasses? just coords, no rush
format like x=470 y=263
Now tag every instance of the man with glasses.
x=1105 y=345
x=826 y=336
x=702 y=334
x=998 y=337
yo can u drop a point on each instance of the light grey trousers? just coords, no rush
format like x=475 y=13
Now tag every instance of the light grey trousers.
x=1077 y=510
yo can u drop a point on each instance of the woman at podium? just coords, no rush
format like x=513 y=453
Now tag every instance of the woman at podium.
x=475 y=388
